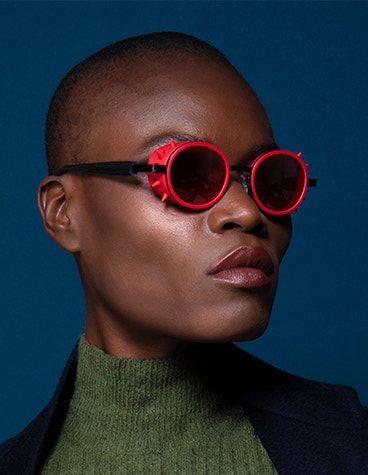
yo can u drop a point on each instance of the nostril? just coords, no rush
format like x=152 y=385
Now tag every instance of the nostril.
x=230 y=226
x=257 y=230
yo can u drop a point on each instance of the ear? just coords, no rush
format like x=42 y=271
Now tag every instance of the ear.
x=53 y=202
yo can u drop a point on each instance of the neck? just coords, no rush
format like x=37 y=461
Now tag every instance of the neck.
x=130 y=345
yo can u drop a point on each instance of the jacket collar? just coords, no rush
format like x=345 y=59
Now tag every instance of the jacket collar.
x=301 y=423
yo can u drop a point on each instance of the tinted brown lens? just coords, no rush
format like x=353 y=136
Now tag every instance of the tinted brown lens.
x=279 y=182
x=197 y=175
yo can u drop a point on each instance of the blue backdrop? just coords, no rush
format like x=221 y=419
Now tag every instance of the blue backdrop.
x=308 y=62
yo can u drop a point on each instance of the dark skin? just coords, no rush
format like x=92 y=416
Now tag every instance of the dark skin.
x=145 y=265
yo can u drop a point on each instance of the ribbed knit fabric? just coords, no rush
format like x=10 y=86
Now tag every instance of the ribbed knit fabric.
x=154 y=416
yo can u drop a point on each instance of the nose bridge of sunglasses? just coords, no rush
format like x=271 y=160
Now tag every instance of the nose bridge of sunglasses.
x=245 y=182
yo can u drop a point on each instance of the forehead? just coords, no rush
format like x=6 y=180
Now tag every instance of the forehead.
x=190 y=97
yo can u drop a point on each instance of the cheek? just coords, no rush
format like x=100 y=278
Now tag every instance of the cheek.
x=134 y=243
x=280 y=230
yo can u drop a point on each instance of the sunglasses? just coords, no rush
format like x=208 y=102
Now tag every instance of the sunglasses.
x=196 y=175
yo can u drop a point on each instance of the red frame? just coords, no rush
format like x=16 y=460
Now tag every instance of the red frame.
x=161 y=181
x=255 y=165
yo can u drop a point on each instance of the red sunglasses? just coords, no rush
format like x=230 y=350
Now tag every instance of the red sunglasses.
x=196 y=175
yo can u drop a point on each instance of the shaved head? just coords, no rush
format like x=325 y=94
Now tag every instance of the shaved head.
x=96 y=87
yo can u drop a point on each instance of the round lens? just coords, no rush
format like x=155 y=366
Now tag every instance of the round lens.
x=198 y=176
x=279 y=183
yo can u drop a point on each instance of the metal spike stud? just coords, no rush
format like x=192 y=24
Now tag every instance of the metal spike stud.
x=156 y=184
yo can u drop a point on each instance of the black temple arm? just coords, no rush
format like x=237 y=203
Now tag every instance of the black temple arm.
x=112 y=168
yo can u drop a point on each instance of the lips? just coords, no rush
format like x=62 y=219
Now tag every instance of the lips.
x=245 y=267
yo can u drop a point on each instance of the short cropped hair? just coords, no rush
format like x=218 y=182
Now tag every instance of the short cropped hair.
x=83 y=94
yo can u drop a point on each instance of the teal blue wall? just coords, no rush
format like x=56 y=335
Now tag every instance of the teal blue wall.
x=308 y=62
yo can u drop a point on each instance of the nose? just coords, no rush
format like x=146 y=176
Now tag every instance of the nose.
x=237 y=210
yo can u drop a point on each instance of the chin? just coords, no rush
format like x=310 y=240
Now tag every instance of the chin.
x=232 y=331
x=250 y=335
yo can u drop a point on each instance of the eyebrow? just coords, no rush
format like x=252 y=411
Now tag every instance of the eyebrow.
x=163 y=139
x=254 y=152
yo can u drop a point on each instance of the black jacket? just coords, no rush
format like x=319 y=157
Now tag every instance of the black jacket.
x=307 y=428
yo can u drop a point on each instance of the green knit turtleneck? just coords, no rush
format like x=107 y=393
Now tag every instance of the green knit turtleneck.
x=154 y=416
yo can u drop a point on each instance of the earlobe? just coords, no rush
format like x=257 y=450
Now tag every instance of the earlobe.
x=58 y=220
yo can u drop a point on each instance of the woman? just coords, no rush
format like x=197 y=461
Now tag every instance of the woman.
x=168 y=187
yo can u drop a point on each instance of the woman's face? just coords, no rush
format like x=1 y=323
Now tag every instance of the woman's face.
x=154 y=273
